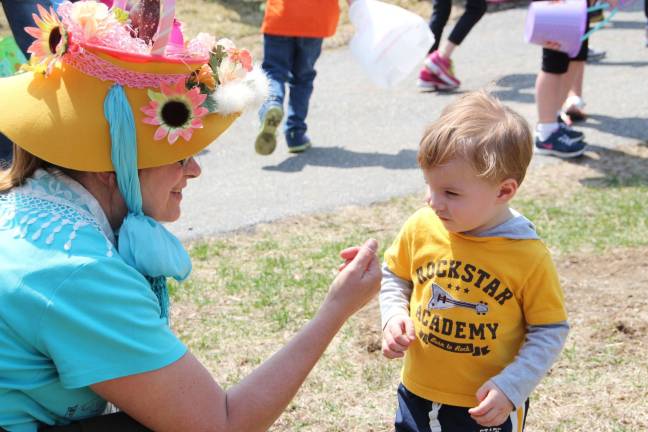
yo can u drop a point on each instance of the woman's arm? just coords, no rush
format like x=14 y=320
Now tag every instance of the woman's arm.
x=184 y=395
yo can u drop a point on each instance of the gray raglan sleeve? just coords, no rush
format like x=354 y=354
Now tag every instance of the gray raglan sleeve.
x=540 y=350
x=395 y=295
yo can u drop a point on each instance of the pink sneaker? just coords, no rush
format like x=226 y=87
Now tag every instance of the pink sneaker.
x=428 y=81
x=442 y=68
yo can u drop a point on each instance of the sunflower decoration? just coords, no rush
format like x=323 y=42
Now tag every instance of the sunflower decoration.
x=176 y=110
x=51 y=40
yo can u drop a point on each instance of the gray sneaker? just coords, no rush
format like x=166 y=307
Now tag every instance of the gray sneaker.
x=266 y=140
x=595 y=55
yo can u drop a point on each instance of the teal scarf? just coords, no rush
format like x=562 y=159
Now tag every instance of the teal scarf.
x=143 y=242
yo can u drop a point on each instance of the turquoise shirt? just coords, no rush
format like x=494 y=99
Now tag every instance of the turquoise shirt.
x=72 y=312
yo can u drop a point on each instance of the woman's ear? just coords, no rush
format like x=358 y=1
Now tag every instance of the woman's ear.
x=507 y=190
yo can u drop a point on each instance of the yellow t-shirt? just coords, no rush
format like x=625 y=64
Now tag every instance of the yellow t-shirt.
x=471 y=302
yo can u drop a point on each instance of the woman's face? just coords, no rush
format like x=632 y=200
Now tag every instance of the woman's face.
x=162 y=188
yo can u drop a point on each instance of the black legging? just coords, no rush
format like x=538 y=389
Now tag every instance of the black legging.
x=475 y=9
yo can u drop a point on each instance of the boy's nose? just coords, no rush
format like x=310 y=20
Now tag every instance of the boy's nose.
x=434 y=201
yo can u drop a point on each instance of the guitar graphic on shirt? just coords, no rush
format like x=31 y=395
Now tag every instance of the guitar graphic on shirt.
x=443 y=300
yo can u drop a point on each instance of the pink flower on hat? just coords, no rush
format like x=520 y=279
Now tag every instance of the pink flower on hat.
x=240 y=56
x=176 y=110
x=51 y=40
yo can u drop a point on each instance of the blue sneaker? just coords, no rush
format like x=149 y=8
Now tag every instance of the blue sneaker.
x=266 y=141
x=298 y=142
x=568 y=130
x=299 y=148
x=560 y=144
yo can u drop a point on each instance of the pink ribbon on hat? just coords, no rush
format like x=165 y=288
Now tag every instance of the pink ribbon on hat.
x=164 y=28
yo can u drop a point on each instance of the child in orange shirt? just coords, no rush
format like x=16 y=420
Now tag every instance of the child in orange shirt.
x=293 y=31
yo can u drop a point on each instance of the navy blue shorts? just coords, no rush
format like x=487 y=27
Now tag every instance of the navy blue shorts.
x=413 y=415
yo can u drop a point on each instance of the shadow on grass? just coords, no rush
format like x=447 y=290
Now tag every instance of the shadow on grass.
x=618 y=169
x=629 y=127
x=339 y=157
x=249 y=11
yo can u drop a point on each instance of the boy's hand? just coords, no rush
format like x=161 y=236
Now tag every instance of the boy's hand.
x=494 y=407
x=397 y=336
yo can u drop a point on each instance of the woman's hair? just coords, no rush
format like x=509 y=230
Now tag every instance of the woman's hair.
x=479 y=129
x=23 y=166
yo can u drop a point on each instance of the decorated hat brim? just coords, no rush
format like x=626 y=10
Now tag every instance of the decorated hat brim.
x=60 y=118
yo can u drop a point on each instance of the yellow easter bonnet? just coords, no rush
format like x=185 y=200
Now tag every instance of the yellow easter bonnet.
x=114 y=87
x=103 y=74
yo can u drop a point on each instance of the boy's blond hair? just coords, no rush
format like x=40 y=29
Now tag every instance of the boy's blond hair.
x=479 y=129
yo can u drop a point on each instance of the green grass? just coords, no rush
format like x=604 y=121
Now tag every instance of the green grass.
x=613 y=215
x=250 y=291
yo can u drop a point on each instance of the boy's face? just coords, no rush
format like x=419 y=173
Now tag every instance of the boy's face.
x=465 y=202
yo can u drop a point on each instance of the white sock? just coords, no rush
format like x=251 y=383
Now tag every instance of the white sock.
x=544 y=130
x=574 y=100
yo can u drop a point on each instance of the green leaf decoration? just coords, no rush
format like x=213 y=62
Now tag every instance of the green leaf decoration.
x=215 y=59
x=210 y=104
x=121 y=15
x=156 y=96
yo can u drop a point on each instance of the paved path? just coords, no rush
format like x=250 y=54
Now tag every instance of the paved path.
x=366 y=138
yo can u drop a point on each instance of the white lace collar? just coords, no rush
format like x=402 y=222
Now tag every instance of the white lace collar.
x=54 y=185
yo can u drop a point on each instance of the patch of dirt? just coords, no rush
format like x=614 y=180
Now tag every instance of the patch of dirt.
x=606 y=294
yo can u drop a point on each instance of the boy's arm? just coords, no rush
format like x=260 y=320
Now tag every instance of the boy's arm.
x=395 y=295
x=540 y=350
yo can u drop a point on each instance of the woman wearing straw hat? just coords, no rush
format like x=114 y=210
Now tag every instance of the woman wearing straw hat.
x=105 y=127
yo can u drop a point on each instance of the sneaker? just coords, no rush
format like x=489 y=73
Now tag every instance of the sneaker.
x=428 y=81
x=562 y=125
x=573 y=110
x=561 y=145
x=595 y=55
x=298 y=141
x=442 y=68
x=300 y=148
x=596 y=16
x=266 y=141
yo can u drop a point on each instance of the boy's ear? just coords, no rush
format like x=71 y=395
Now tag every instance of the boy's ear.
x=507 y=190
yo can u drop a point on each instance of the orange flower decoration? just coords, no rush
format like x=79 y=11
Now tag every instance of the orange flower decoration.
x=205 y=76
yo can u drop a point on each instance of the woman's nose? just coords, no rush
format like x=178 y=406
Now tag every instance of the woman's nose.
x=192 y=168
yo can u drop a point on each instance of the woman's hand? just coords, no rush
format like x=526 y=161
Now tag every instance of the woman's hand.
x=358 y=280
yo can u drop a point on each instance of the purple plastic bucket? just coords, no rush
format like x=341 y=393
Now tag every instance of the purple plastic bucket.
x=558 y=25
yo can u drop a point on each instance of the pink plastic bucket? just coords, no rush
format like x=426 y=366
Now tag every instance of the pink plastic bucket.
x=558 y=25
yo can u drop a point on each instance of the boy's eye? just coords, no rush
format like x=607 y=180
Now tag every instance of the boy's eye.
x=451 y=193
